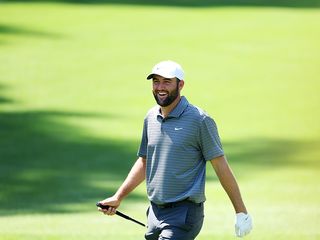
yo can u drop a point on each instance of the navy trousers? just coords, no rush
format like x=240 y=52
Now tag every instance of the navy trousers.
x=178 y=221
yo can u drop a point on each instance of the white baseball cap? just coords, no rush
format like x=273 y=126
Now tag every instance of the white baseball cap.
x=167 y=69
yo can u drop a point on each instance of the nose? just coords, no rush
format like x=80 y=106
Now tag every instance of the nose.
x=159 y=86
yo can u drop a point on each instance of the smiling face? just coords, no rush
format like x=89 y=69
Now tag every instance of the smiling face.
x=166 y=90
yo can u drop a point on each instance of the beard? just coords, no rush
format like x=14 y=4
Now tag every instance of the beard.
x=169 y=99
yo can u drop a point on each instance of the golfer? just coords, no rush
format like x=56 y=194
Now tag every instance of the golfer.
x=178 y=139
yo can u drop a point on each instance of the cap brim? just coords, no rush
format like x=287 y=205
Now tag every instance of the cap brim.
x=150 y=76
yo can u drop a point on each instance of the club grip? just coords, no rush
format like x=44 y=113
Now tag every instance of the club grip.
x=106 y=207
x=98 y=204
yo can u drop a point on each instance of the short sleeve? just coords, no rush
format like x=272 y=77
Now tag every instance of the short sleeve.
x=142 y=152
x=209 y=139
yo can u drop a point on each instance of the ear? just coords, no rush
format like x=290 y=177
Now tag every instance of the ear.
x=181 y=84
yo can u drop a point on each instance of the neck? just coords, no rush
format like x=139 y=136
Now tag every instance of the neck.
x=166 y=110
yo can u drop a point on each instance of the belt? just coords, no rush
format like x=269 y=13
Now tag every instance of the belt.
x=174 y=204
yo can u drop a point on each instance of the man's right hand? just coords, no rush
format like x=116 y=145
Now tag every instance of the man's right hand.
x=113 y=204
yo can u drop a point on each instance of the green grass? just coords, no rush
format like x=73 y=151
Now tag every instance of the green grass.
x=73 y=96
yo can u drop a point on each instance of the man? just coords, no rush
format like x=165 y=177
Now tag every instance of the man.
x=177 y=141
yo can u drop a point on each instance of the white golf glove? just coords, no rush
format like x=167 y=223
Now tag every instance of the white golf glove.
x=243 y=224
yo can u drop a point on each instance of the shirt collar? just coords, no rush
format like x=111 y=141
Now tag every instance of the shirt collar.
x=178 y=110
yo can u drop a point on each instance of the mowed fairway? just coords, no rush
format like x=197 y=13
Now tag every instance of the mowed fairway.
x=73 y=96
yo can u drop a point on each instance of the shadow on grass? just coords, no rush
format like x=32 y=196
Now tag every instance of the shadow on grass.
x=3 y=99
x=253 y=156
x=11 y=29
x=47 y=165
x=194 y=3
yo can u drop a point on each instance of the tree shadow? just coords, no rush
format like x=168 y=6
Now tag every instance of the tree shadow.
x=252 y=156
x=6 y=29
x=47 y=165
x=195 y=3
x=271 y=153
x=50 y=166
x=256 y=155
x=3 y=99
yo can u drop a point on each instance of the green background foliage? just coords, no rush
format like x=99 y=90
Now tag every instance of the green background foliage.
x=73 y=96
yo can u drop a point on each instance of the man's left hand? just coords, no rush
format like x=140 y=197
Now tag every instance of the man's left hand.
x=243 y=224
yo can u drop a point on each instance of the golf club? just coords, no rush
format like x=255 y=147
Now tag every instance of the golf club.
x=120 y=214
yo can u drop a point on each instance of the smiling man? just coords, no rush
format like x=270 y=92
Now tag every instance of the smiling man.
x=178 y=140
x=166 y=90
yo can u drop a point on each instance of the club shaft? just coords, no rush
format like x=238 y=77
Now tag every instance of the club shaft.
x=129 y=218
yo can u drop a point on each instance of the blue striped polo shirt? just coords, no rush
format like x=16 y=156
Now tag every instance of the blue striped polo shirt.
x=176 y=149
